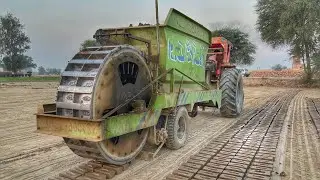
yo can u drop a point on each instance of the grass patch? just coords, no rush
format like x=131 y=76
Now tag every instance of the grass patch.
x=30 y=79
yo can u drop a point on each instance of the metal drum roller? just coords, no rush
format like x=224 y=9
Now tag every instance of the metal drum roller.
x=95 y=81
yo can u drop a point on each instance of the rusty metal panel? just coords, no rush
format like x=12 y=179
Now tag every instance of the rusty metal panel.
x=70 y=127
x=46 y=108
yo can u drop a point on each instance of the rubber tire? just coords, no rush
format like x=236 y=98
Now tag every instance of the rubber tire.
x=231 y=84
x=173 y=141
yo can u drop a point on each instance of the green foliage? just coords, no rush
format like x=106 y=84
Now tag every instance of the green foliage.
x=53 y=71
x=243 y=50
x=315 y=64
x=42 y=70
x=13 y=44
x=88 y=43
x=294 y=24
x=17 y=62
x=278 y=67
x=48 y=71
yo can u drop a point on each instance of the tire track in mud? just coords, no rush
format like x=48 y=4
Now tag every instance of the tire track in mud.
x=302 y=151
x=12 y=107
x=314 y=112
x=36 y=165
x=30 y=153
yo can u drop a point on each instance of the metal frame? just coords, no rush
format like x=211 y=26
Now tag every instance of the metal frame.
x=129 y=36
x=111 y=126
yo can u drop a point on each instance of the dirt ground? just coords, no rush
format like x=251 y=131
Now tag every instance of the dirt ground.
x=302 y=160
x=28 y=155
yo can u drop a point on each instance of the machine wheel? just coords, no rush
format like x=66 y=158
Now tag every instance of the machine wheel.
x=178 y=127
x=94 y=82
x=194 y=111
x=231 y=85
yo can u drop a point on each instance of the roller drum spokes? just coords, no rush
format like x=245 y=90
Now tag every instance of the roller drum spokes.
x=96 y=81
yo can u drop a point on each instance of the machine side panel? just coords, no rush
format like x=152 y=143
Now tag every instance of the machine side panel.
x=130 y=122
x=168 y=100
x=126 y=123
x=121 y=124
x=186 y=54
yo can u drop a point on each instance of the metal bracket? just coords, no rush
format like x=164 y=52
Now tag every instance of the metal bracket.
x=100 y=34
x=146 y=155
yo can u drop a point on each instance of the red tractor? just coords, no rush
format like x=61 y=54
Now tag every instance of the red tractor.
x=223 y=75
x=218 y=58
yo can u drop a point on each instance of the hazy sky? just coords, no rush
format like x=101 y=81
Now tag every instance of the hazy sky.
x=57 y=27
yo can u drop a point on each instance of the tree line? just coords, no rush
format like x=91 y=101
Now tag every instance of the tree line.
x=48 y=71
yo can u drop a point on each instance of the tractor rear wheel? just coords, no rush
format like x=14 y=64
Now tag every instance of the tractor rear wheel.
x=231 y=84
x=177 y=128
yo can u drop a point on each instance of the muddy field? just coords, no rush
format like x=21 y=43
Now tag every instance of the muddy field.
x=28 y=155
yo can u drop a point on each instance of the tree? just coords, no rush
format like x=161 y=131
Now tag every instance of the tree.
x=13 y=44
x=278 y=67
x=315 y=64
x=53 y=71
x=42 y=70
x=18 y=62
x=1 y=64
x=243 y=50
x=48 y=71
x=294 y=24
x=88 y=43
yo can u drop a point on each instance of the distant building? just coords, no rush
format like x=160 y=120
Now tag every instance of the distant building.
x=296 y=62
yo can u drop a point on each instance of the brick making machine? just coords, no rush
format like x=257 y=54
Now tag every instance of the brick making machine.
x=141 y=85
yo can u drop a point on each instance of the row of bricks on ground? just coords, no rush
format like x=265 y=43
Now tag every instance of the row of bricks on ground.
x=207 y=175
x=264 y=148
x=211 y=170
x=248 y=139
x=247 y=130
x=243 y=154
x=235 y=143
x=234 y=148
x=92 y=170
x=243 y=158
